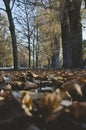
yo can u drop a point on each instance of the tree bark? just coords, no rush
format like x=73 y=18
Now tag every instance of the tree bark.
x=12 y=31
x=72 y=35
x=66 y=43
x=76 y=34
x=37 y=50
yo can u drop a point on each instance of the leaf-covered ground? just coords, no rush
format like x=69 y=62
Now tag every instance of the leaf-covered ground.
x=43 y=100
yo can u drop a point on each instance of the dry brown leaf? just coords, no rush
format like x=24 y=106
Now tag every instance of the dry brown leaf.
x=30 y=85
x=27 y=103
x=73 y=88
x=54 y=115
x=82 y=80
x=78 y=110
x=50 y=102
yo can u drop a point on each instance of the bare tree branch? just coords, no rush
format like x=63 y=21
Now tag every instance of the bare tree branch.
x=2 y=9
x=13 y=4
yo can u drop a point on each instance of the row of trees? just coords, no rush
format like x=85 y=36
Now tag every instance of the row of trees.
x=5 y=43
x=6 y=54
x=47 y=27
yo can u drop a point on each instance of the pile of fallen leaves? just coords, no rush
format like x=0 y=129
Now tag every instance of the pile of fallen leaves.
x=43 y=100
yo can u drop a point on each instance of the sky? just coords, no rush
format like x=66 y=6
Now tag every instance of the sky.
x=84 y=34
x=83 y=30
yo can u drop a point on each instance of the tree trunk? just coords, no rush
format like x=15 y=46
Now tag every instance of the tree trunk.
x=49 y=62
x=37 y=50
x=76 y=34
x=72 y=35
x=33 y=53
x=66 y=43
x=29 y=64
x=29 y=42
x=13 y=35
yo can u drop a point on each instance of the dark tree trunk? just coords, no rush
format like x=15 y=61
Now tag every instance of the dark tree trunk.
x=33 y=54
x=29 y=64
x=49 y=62
x=36 y=56
x=54 y=57
x=37 y=49
x=29 y=42
x=12 y=31
x=85 y=3
x=72 y=35
x=66 y=43
x=76 y=33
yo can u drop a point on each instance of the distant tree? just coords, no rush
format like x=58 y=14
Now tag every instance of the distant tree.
x=6 y=57
x=49 y=36
x=23 y=57
x=25 y=21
